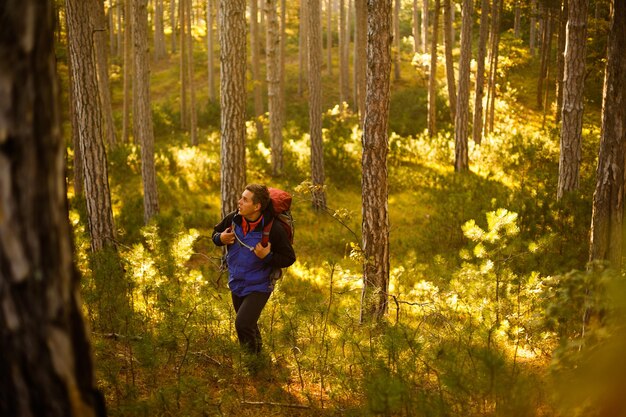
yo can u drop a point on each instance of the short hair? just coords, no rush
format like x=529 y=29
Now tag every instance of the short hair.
x=260 y=194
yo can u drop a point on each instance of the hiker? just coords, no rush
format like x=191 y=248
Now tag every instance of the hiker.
x=250 y=263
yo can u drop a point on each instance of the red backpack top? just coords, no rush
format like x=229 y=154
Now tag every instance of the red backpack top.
x=281 y=204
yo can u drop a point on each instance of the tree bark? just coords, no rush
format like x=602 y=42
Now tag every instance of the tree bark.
x=461 y=123
x=329 y=36
x=374 y=162
x=560 y=60
x=45 y=365
x=274 y=87
x=417 y=36
x=360 y=56
x=193 y=114
x=102 y=65
x=232 y=22
x=432 y=78
x=315 y=103
x=160 y=51
x=480 y=72
x=184 y=74
x=173 y=25
x=88 y=111
x=396 y=41
x=494 y=39
x=344 y=66
x=128 y=65
x=255 y=68
x=449 y=45
x=303 y=57
x=608 y=199
x=143 y=131
x=210 y=49
x=425 y=24
x=573 y=85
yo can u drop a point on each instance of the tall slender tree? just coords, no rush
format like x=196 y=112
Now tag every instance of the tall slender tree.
x=573 y=84
x=46 y=364
x=232 y=23
x=448 y=41
x=255 y=68
x=303 y=51
x=607 y=223
x=425 y=25
x=128 y=72
x=344 y=82
x=560 y=59
x=142 y=123
x=160 y=50
x=479 y=91
x=102 y=65
x=396 y=40
x=274 y=87
x=417 y=34
x=193 y=114
x=432 y=78
x=88 y=111
x=375 y=211
x=210 y=48
x=461 y=122
x=315 y=103
x=329 y=36
x=360 y=56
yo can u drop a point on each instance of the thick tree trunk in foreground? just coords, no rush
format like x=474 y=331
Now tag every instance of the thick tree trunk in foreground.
x=608 y=200
x=232 y=22
x=374 y=163
x=45 y=365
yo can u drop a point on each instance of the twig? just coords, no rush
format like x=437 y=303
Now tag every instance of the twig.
x=274 y=404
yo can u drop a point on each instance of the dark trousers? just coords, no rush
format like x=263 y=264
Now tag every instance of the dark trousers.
x=248 y=309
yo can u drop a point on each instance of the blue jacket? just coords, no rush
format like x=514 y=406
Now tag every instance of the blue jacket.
x=246 y=272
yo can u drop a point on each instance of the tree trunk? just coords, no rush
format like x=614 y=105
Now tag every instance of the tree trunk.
x=193 y=115
x=128 y=65
x=143 y=132
x=78 y=163
x=303 y=57
x=396 y=40
x=546 y=41
x=210 y=48
x=425 y=24
x=315 y=103
x=232 y=22
x=184 y=74
x=416 y=28
x=496 y=11
x=480 y=72
x=274 y=87
x=573 y=84
x=517 y=10
x=173 y=25
x=255 y=68
x=461 y=123
x=360 y=56
x=344 y=77
x=283 y=48
x=375 y=227
x=329 y=36
x=88 y=111
x=102 y=65
x=608 y=200
x=560 y=60
x=160 y=51
x=46 y=364
x=432 y=78
x=449 y=45
x=533 y=27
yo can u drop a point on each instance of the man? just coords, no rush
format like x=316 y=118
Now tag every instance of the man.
x=249 y=262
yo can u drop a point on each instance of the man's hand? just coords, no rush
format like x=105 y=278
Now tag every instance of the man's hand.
x=261 y=251
x=227 y=236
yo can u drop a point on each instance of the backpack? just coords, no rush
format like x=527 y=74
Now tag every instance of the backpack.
x=281 y=205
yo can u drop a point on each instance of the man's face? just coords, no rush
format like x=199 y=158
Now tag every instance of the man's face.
x=247 y=208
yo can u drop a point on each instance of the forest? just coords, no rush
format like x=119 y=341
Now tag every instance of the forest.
x=457 y=173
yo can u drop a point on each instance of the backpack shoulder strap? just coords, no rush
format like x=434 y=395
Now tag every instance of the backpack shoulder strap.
x=266 y=233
